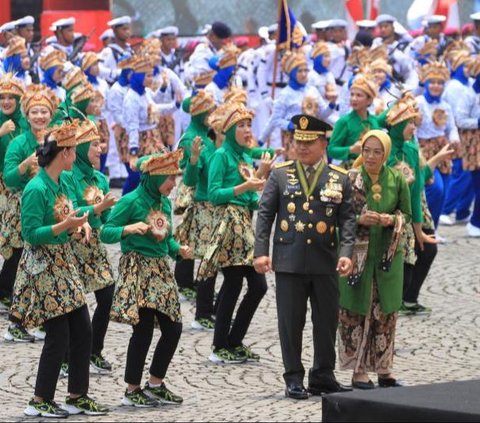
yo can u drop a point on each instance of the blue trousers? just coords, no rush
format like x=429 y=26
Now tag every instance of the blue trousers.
x=436 y=194
x=132 y=181
x=475 y=219
x=460 y=192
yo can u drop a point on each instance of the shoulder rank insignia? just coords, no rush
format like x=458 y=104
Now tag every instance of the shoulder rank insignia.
x=284 y=164
x=338 y=169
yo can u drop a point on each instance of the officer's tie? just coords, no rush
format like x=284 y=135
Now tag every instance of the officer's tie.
x=310 y=175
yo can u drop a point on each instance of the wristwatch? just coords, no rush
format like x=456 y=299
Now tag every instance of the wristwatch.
x=133 y=151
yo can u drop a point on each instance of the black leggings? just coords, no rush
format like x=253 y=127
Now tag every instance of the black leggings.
x=101 y=317
x=205 y=294
x=225 y=337
x=414 y=276
x=9 y=273
x=73 y=331
x=140 y=343
x=184 y=273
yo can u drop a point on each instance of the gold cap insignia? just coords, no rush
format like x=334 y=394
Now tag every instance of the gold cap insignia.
x=303 y=122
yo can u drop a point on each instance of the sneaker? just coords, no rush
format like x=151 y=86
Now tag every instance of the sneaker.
x=473 y=231
x=445 y=220
x=244 y=351
x=416 y=309
x=5 y=304
x=98 y=364
x=187 y=294
x=204 y=324
x=138 y=398
x=63 y=371
x=39 y=333
x=84 y=405
x=17 y=333
x=162 y=394
x=441 y=239
x=463 y=221
x=226 y=356
x=45 y=408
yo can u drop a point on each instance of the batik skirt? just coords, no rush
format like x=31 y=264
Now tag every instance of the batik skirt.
x=10 y=225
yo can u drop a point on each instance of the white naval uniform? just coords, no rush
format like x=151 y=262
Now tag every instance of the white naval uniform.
x=109 y=58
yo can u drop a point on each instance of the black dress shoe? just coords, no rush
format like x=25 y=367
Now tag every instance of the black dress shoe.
x=327 y=388
x=117 y=182
x=296 y=391
x=363 y=385
x=389 y=382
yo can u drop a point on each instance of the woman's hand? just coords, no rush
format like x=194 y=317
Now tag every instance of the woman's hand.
x=369 y=218
x=266 y=164
x=165 y=81
x=444 y=154
x=86 y=230
x=356 y=148
x=185 y=252
x=31 y=162
x=7 y=127
x=108 y=202
x=386 y=220
x=255 y=184
x=132 y=162
x=139 y=228
x=422 y=238
x=344 y=266
x=197 y=148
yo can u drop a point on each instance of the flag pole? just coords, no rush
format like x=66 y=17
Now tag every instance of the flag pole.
x=275 y=58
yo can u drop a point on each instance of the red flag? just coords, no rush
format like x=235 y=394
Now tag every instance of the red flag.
x=354 y=9
x=449 y=8
x=374 y=9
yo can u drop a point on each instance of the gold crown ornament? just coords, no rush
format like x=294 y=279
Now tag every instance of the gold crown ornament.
x=365 y=84
x=380 y=64
x=401 y=111
x=163 y=164
x=434 y=70
x=87 y=131
x=228 y=56
x=201 y=102
x=88 y=60
x=53 y=58
x=73 y=78
x=82 y=92
x=65 y=134
x=128 y=63
x=429 y=48
x=360 y=57
x=474 y=67
x=39 y=95
x=215 y=119
x=143 y=64
x=16 y=45
x=379 y=53
x=458 y=58
x=236 y=94
x=455 y=47
x=292 y=60
x=231 y=114
x=319 y=48
x=11 y=85
x=204 y=78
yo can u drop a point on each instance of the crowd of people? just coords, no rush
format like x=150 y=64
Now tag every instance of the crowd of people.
x=354 y=150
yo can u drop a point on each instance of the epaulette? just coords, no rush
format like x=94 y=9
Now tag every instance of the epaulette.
x=338 y=169
x=284 y=164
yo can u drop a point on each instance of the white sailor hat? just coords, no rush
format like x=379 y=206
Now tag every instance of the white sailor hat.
x=320 y=25
x=77 y=35
x=108 y=33
x=435 y=19
x=272 y=28
x=475 y=16
x=62 y=23
x=122 y=20
x=399 y=29
x=337 y=23
x=26 y=20
x=366 y=23
x=154 y=34
x=8 y=26
x=206 y=28
x=263 y=32
x=385 y=18
x=169 y=30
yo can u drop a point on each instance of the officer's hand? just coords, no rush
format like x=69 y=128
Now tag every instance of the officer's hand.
x=344 y=266
x=262 y=264
x=369 y=218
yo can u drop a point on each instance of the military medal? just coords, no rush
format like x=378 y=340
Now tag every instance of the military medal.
x=329 y=211
x=284 y=225
x=300 y=226
x=321 y=227
x=306 y=206
x=291 y=207
x=159 y=224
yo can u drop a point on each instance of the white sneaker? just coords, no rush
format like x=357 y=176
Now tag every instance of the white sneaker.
x=440 y=239
x=473 y=231
x=463 y=221
x=445 y=220
x=39 y=333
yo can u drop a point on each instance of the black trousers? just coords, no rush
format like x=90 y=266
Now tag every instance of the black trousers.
x=226 y=337
x=205 y=294
x=73 y=331
x=293 y=292
x=9 y=273
x=184 y=273
x=140 y=343
x=101 y=317
x=414 y=276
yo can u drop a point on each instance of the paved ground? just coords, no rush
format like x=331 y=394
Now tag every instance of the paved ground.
x=440 y=347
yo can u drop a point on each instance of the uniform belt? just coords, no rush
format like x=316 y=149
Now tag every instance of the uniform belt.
x=278 y=84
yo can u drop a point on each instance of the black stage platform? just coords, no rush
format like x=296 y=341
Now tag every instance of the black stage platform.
x=443 y=402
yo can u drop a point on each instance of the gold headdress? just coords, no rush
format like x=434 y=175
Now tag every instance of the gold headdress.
x=89 y=59
x=228 y=114
x=204 y=79
x=366 y=85
x=143 y=64
x=82 y=92
x=87 y=131
x=292 y=60
x=474 y=67
x=163 y=164
x=379 y=53
x=236 y=94
x=73 y=78
x=319 y=48
x=11 y=85
x=228 y=56
x=201 y=102
x=39 y=95
x=429 y=48
x=16 y=45
x=458 y=58
x=434 y=70
x=402 y=110
x=127 y=63
x=65 y=134
x=53 y=58
x=380 y=64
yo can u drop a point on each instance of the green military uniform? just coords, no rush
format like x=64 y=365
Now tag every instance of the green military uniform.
x=305 y=254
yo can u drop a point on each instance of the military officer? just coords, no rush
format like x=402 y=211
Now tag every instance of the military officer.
x=310 y=200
